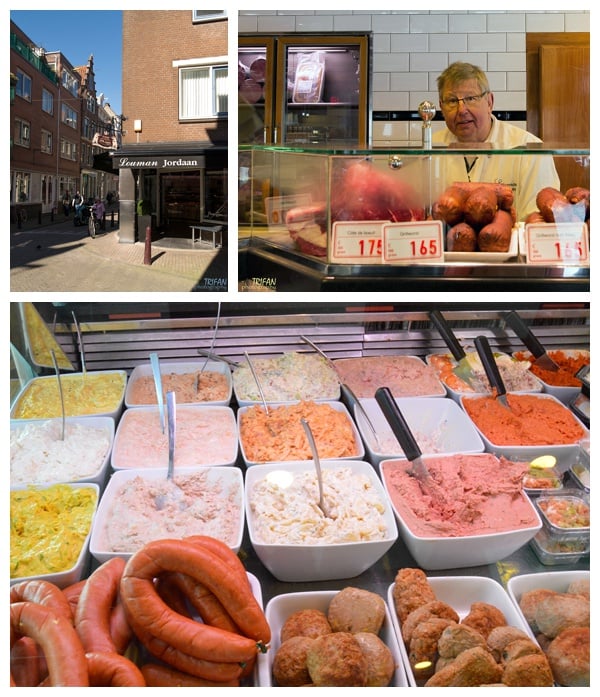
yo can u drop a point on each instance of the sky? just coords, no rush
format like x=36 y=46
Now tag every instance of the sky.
x=79 y=34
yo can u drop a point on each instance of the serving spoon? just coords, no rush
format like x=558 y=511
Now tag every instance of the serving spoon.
x=317 y=461
x=158 y=387
x=174 y=494
x=60 y=392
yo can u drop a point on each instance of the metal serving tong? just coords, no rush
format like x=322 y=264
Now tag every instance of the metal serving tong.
x=491 y=369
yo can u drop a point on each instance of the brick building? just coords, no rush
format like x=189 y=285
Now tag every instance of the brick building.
x=173 y=159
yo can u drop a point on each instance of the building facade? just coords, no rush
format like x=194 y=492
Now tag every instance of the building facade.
x=172 y=162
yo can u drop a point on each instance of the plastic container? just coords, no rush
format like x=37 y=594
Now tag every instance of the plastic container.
x=565 y=515
x=551 y=550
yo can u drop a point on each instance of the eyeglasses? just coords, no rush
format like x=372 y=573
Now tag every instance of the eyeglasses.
x=452 y=102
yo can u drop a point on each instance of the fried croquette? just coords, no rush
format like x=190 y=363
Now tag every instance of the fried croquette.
x=500 y=637
x=470 y=668
x=380 y=660
x=289 y=663
x=580 y=587
x=569 y=657
x=434 y=608
x=336 y=660
x=528 y=603
x=529 y=670
x=458 y=638
x=356 y=610
x=411 y=590
x=560 y=611
x=519 y=647
x=484 y=617
x=423 y=646
x=307 y=622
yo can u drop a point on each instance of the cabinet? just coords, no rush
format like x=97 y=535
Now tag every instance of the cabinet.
x=322 y=218
x=303 y=89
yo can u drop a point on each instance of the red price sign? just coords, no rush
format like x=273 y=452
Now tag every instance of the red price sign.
x=357 y=241
x=557 y=243
x=413 y=243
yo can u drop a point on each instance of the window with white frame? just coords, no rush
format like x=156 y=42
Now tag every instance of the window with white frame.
x=202 y=91
x=47 y=101
x=68 y=150
x=22 y=133
x=23 y=86
x=46 y=145
x=208 y=15
x=68 y=116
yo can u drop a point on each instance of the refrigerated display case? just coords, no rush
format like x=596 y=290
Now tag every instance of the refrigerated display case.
x=303 y=89
x=344 y=218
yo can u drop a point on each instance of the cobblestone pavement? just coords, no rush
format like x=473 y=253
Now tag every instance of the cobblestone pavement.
x=58 y=256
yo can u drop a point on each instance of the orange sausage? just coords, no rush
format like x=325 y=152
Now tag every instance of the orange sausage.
x=113 y=670
x=206 y=603
x=504 y=194
x=92 y=617
x=64 y=654
x=43 y=593
x=73 y=592
x=450 y=205
x=495 y=237
x=171 y=593
x=25 y=662
x=548 y=200
x=480 y=207
x=119 y=628
x=164 y=676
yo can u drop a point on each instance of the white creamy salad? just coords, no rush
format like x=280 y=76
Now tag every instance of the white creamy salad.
x=286 y=512
x=38 y=455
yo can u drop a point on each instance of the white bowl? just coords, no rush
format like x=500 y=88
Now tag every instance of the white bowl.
x=204 y=436
x=564 y=454
x=211 y=516
x=460 y=592
x=563 y=393
x=337 y=406
x=449 y=551
x=65 y=578
x=438 y=424
x=319 y=561
x=286 y=378
x=281 y=607
x=47 y=389
x=406 y=376
x=190 y=369
x=45 y=460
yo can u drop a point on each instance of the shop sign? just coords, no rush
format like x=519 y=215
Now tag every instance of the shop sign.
x=105 y=141
x=160 y=162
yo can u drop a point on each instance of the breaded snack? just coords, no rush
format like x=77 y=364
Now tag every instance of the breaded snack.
x=434 y=608
x=580 y=587
x=309 y=622
x=530 y=670
x=470 y=668
x=561 y=611
x=411 y=590
x=356 y=610
x=518 y=648
x=336 y=660
x=380 y=660
x=423 y=646
x=500 y=637
x=569 y=657
x=528 y=603
x=458 y=638
x=484 y=617
x=289 y=663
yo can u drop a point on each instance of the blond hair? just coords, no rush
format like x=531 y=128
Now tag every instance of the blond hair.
x=459 y=72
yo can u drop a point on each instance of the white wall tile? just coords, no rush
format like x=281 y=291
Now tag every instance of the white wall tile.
x=511 y=21
x=577 y=21
x=487 y=42
x=448 y=42
x=545 y=22
x=314 y=23
x=411 y=43
x=352 y=23
x=277 y=23
x=392 y=24
x=426 y=24
x=467 y=23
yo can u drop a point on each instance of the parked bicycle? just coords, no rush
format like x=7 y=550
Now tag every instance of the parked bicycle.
x=93 y=222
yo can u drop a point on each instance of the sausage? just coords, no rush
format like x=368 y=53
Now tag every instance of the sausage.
x=26 y=663
x=461 y=238
x=576 y=194
x=547 y=200
x=73 y=592
x=119 y=628
x=204 y=566
x=480 y=207
x=504 y=194
x=171 y=593
x=450 y=205
x=206 y=603
x=495 y=237
x=43 y=593
x=113 y=670
x=92 y=617
x=535 y=217
x=165 y=676
x=64 y=654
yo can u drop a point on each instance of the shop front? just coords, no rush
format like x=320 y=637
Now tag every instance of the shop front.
x=169 y=188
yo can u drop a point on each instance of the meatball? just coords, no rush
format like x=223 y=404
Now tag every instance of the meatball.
x=500 y=637
x=380 y=661
x=580 y=587
x=411 y=590
x=289 y=663
x=470 y=668
x=529 y=670
x=308 y=622
x=518 y=648
x=356 y=610
x=561 y=611
x=528 y=604
x=484 y=617
x=336 y=660
x=423 y=646
x=435 y=608
x=569 y=657
x=458 y=638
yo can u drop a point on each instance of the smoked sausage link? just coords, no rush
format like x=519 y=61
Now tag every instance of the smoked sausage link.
x=495 y=237
x=480 y=207
x=113 y=670
x=461 y=238
x=163 y=676
x=43 y=593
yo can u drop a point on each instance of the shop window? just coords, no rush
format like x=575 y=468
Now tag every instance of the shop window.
x=22 y=186
x=202 y=92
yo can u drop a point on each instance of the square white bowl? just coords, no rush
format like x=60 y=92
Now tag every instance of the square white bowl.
x=444 y=552
x=563 y=393
x=189 y=368
x=337 y=406
x=65 y=578
x=460 y=592
x=47 y=382
x=564 y=454
x=204 y=436
x=438 y=424
x=319 y=562
x=280 y=607
x=229 y=478
x=96 y=475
